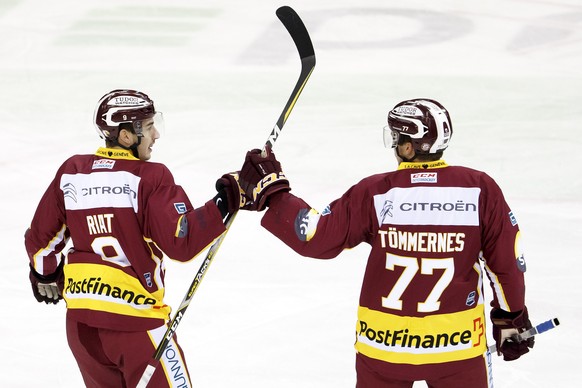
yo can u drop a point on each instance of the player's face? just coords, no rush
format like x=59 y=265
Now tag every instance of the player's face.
x=149 y=136
x=397 y=155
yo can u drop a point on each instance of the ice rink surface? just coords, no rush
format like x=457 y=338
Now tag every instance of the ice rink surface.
x=221 y=71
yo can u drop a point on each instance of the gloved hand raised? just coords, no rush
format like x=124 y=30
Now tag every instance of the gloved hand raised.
x=48 y=288
x=230 y=196
x=260 y=177
x=506 y=326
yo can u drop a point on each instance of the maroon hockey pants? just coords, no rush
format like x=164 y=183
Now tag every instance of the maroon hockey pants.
x=109 y=358
x=477 y=377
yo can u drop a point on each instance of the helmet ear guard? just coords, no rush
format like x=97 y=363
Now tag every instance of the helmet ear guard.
x=426 y=122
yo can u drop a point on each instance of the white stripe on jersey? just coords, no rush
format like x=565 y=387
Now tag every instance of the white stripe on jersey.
x=497 y=289
x=39 y=256
x=117 y=189
x=428 y=206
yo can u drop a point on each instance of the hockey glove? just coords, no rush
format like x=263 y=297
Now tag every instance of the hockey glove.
x=260 y=177
x=49 y=288
x=506 y=327
x=230 y=196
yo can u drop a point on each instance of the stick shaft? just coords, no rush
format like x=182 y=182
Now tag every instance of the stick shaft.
x=300 y=36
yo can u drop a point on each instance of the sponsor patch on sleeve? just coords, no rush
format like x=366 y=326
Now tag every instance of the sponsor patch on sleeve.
x=512 y=219
x=306 y=224
x=180 y=207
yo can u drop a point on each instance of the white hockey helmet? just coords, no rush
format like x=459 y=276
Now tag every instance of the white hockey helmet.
x=426 y=122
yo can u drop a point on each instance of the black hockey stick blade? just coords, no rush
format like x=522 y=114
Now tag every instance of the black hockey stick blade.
x=297 y=30
x=302 y=40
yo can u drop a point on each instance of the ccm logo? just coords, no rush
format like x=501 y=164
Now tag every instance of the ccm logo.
x=424 y=177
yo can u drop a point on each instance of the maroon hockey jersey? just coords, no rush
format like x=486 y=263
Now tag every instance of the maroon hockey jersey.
x=121 y=215
x=421 y=312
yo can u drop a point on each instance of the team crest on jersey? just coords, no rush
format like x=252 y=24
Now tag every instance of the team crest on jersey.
x=180 y=207
x=148 y=278
x=424 y=177
x=103 y=164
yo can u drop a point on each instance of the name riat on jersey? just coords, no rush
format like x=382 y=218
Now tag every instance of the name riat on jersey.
x=99 y=223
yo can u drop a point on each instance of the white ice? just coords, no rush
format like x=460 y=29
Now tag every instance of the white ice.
x=221 y=71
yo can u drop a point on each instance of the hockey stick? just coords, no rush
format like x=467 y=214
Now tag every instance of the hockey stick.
x=538 y=329
x=298 y=32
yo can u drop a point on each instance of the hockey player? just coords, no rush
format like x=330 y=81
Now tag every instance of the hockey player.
x=433 y=230
x=121 y=214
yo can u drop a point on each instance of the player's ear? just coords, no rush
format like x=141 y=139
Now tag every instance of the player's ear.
x=125 y=137
x=407 y=150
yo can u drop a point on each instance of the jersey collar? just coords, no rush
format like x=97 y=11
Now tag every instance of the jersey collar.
x=423 y=165
x=115 y=153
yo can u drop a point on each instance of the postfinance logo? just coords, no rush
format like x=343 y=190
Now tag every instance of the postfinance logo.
x=97 y=287
x=103 y=288
x=414 y=340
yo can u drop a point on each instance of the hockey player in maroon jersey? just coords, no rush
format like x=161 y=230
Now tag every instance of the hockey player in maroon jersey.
x=122 y=214
x=433 y=230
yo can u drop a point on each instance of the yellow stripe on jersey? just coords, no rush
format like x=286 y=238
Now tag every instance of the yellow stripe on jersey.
x=180 y=225
x=157 y=272
x=115 y=153
x=414 y=340
x=312 y=221
x=103 y=288
x=423 y=165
